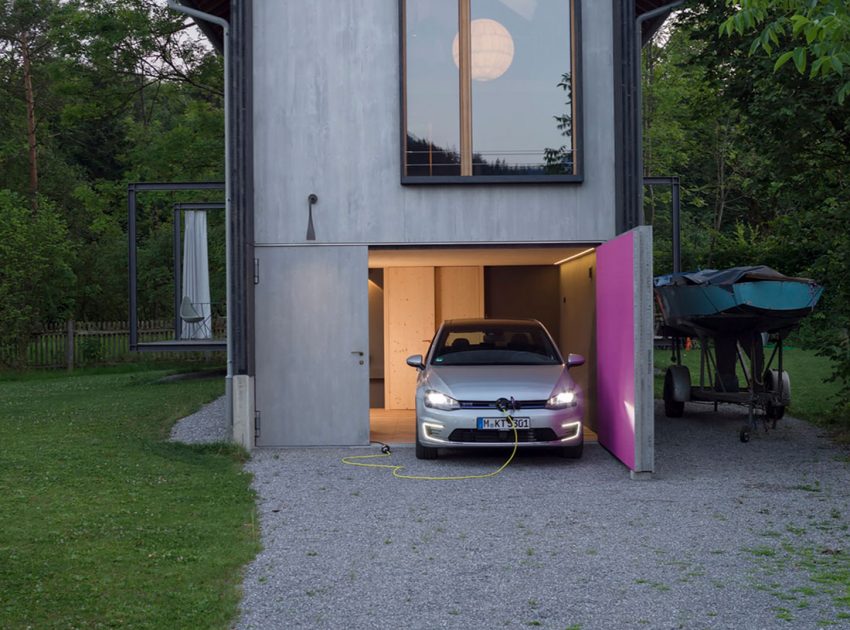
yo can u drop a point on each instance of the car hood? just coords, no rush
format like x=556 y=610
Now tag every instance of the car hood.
x=491 y=382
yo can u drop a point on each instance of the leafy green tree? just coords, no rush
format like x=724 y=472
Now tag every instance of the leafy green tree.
x=783 y=141
x=122 y=90
x=815 y=34
x=36 y=279
x=23 y=43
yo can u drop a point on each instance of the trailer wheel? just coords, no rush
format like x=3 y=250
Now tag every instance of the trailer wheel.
x=672 y=408
x=774 y=412
x=772 y=385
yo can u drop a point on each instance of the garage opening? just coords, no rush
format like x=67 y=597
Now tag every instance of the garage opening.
x=412 y=291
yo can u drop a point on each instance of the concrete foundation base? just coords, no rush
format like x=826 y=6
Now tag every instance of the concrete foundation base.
x=640 y=476
x=242 y=410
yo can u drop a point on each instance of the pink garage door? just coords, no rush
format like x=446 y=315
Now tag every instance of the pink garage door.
x=626 y=425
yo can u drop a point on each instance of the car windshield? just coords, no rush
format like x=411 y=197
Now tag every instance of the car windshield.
x=484 y=344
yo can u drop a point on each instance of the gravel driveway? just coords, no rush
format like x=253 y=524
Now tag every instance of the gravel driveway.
x=726 y=535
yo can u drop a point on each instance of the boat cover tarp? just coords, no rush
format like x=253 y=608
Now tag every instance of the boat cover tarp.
x=724 y=277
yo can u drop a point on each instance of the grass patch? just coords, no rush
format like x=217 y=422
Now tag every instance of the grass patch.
x=762 y=551
x=812 y=398
x=102 y=522
x=828 y=573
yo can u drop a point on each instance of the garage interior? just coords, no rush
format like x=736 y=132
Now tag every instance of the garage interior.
x=412 y=291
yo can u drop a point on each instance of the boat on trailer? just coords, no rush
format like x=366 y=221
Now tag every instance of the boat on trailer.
x=732 y=312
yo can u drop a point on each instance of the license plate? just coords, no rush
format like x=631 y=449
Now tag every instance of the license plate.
x=503 y=423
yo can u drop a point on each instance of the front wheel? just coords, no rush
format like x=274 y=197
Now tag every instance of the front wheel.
x=424 y=452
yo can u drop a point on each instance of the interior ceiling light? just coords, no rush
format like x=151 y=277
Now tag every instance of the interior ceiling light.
x=574 y=256
x=492 y=50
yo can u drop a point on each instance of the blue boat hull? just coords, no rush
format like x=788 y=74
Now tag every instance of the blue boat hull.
x=761 y=306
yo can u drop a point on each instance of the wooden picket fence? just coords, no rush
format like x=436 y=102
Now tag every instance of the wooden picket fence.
x=99 y=343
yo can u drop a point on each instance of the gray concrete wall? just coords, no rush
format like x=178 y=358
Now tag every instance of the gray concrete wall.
x=327 y=121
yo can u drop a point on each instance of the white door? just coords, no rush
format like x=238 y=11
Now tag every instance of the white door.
x=312 y=346
x=625 y=413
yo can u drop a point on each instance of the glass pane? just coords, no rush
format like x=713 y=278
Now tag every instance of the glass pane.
x=433 y=136
x=521 y=87
x=495 y=345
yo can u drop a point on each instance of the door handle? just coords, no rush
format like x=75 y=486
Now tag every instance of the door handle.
x=357 y=352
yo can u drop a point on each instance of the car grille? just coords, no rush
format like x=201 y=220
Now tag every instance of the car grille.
x=491 y=404
x=495 y=436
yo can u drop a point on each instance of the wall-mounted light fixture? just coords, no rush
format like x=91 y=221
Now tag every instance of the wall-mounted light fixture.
x=312 y=198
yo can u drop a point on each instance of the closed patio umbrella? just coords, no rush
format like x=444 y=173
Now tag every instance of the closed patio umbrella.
x=196 y=274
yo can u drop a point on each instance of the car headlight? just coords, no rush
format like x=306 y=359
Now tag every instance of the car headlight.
x=562 y=400
x=438 y=400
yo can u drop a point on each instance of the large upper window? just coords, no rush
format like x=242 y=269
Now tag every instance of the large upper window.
x=489 y=90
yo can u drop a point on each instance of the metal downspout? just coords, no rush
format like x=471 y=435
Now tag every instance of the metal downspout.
x=225 y=25
x=639 y=92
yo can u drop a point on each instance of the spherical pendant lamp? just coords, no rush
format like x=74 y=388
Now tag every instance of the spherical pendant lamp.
x=492 y=50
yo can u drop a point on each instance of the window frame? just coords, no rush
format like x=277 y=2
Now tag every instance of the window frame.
x=578 y=122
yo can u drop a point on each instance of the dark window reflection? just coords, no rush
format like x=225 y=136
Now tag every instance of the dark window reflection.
x=433 y=134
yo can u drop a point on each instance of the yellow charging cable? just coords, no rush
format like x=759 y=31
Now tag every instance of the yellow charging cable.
x=397 y=468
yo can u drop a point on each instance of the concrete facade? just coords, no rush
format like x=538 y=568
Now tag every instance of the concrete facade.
x=327 y=121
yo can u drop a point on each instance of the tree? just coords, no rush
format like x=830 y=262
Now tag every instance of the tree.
x=815 y=34
x=560 y=161
x=783 y=141
x=35 y=270
x=23 y=29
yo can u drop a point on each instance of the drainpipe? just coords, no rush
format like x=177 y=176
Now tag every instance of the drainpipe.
x=639 y=88
x=225 y=25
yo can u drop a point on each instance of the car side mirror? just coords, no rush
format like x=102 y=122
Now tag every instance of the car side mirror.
x=575 y=360
x=416 y=361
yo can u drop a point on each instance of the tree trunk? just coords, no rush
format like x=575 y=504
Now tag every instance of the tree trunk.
x=30 y=99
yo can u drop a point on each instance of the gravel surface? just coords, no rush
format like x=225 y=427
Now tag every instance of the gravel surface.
x=726 y=535
x=208 y=424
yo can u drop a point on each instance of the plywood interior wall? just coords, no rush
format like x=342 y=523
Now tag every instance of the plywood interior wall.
x=409 y=321
x=578 y=324
x=459 y=292
x=416 y=301
x=376 y=338
x=524 y=292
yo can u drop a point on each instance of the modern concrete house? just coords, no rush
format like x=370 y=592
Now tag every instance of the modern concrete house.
x=396 y=163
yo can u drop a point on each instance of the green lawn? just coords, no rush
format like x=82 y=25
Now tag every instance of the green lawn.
x=102 y=522
x=812 y=398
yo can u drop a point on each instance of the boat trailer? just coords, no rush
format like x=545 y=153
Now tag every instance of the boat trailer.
x=764 y=393
x=733 y=313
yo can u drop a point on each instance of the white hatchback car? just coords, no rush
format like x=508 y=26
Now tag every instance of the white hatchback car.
x=477 y=371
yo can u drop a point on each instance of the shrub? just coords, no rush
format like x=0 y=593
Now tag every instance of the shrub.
x=36 y=280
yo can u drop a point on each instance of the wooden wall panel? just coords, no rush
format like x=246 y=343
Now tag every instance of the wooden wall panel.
x=459 y=292
x=376 y=338
x=578 y=325
x=409 y=324
x=524 y=291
